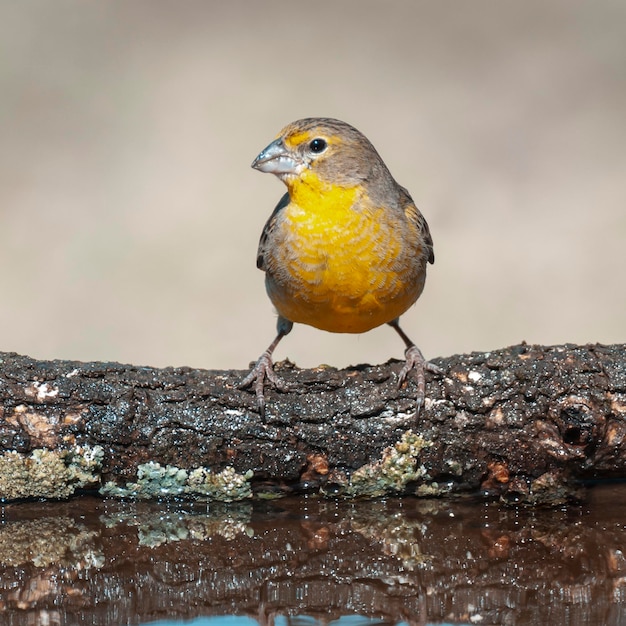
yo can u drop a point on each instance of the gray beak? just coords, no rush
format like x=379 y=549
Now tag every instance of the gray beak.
x=276 y=159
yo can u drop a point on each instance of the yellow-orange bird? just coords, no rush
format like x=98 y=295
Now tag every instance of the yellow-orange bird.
x=345 y=249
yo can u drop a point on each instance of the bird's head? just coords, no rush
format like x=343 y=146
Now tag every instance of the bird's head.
x=327 y=149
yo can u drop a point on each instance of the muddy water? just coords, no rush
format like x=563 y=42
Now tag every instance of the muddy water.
x=90 y=561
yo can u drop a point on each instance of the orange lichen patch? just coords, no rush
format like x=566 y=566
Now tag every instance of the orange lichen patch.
x=615 y=434
x=318 y=535
x=41 y=428
x=499 y=471
x=69 y=419
x=500 y=547
x=498 y=475
x=317 y=465
x=460 y=375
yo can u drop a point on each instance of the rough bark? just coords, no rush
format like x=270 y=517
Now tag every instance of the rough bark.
x=523 y=423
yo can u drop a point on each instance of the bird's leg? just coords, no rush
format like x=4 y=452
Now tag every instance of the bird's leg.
x=264 y=368
x=414 y=361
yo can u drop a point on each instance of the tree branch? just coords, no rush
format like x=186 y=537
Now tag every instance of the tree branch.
x=524 y=423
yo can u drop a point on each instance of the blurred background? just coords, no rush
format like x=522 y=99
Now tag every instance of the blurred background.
x=130 y=217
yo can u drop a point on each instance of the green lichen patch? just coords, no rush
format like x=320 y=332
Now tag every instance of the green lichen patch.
x=158 y=527
x=399 y=535
x=157 y=481
x=51 y=474
x=433 y=489
x=57 y=541
x=398 y=467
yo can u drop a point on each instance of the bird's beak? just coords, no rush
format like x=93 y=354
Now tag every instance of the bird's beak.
x=276 y=159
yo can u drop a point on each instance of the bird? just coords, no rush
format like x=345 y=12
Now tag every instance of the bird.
x=346 y=248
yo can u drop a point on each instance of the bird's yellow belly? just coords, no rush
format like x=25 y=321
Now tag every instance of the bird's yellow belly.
x=343 y=270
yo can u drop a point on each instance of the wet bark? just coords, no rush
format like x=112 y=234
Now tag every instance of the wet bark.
x=523 y=423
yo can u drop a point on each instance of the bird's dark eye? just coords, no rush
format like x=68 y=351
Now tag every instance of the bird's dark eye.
x=318 y=145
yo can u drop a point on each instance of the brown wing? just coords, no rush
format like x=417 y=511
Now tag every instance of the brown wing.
x=267 y=230
x=414 y=216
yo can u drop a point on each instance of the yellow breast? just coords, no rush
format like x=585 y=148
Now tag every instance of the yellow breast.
x=339 y=264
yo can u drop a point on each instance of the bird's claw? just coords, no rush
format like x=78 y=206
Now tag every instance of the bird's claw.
x=415 y=361
x=263 y=370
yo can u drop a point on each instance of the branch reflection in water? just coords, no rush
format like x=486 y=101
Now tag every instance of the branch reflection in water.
x=299 y=562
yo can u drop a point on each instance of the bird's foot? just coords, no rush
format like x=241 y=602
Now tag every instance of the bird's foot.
x=263 y=370
x=415 y=361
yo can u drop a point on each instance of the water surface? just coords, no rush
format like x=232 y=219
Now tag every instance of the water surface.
x=307 y=561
